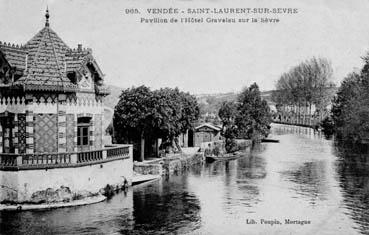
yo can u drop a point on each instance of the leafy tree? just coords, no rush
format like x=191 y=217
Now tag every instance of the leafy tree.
x=247 y=118
x=165 y=113
x=227 y=113
x=134 y=115
x=176 y=113
x=348 y=92
x=254 y=118
x=305 y=85
x=350 y=111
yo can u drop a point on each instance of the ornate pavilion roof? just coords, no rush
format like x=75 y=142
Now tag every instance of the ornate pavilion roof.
x=45 y=60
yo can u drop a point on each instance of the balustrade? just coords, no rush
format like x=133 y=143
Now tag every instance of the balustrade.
x=115 y=152
x=45 y=160
x=8 y=160
x=89 y=156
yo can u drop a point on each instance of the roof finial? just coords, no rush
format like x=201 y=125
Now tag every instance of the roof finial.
x=47 y=17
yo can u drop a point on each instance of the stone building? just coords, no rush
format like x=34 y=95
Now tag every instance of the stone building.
x=206 y=132
x=51 y=120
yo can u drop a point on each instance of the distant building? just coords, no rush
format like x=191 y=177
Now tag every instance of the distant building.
x=206 y=132
x=51 y=121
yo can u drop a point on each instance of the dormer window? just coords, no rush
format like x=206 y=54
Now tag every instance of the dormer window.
x=72 y=77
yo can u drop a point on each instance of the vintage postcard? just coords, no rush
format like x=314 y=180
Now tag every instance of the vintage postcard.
x=195 y=117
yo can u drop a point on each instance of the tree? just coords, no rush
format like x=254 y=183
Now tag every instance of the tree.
x=165 y=113
x=176 y=113
x=248 y=118
x=348 y=92
x=254 y=118
x=350 y=109
x=227 y=113
x=134 y=115
x=305 y=85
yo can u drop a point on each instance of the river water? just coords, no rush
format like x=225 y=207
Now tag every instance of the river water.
x=305 y=177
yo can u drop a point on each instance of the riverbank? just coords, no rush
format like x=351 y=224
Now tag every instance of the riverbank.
x=177 y=162
x=171 y=163
x=301 y=178
x=24 y=207
x=296 y=124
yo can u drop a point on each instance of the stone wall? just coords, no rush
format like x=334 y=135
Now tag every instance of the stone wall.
x=181 y=162
x=243 y=143
x=172 y=163
x=27 y=185
x=148 y=169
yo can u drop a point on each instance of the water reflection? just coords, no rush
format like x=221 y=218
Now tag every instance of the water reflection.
x=353 y=169
x=100 y=218
x=304 y=177
x=309 y=180
x=165 y=206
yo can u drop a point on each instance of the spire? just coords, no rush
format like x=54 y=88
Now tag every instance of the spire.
x=47 y=16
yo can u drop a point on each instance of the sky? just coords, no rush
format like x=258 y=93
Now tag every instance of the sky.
x=199 y=58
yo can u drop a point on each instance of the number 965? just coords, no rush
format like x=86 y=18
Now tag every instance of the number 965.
x=131 y=11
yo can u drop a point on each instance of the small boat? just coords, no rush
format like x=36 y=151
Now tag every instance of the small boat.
x=224 y=157
x=139 y=179
x=269 y=141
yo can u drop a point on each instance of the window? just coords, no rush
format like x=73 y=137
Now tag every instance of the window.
x=72 y=77
x=83 y=131
x=7 y=124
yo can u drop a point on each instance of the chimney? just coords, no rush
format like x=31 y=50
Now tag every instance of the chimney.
x=79 y=47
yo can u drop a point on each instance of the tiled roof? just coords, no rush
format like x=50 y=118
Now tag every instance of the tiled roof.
x=14 y=54
x=76 y=58
x=209 y=125
x=103 y=90
x=45 y=61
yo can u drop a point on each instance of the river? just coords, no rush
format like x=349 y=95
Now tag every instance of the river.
x=305 y=177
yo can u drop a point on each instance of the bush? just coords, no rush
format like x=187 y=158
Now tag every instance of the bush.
x=216 y=150
x=328 y=126
x=231 y=145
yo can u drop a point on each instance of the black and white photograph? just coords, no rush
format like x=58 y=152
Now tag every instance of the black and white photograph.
x=193 y=117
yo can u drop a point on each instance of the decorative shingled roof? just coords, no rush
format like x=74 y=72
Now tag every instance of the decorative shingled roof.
x=45 y=61
x=14 y=54
x=76 y=58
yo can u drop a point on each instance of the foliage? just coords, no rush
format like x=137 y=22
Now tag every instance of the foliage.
x=175 y=112
x=347 y=95
x=163 y=113
x=216 y=150
x=248 y=118
x=230 y=145
x=212 y=102
x=328 y=126
x=305 y=84
x=227 y=113
x=350 y=111
x=253 y=119
x=134 y=113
